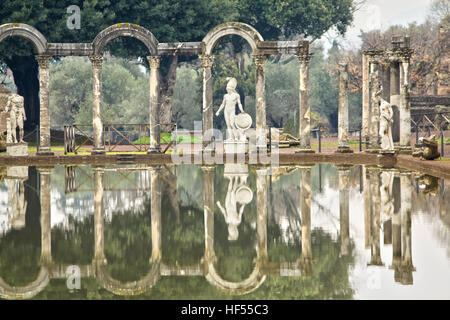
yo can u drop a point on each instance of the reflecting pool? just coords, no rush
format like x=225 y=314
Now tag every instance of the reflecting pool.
x=223 y=232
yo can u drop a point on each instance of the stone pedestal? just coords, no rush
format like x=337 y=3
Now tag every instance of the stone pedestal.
x=235 y=146
x=17 y=149
x=344 y=149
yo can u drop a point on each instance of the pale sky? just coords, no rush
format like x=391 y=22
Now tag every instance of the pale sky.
x=381 y=14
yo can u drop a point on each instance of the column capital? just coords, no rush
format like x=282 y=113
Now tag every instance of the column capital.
x=260 y=59
x=43 y=60
x=154 y=61
x=96 y=61
x=207 y=60
x=304 y=57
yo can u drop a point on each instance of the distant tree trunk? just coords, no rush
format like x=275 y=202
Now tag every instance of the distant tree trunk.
x=167 y=85
x=26 y=71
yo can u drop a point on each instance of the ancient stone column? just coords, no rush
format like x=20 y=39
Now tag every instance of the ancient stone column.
x=155 y=211
x=46 y=228
x=405 y=107
x=305 y=188
x=375 y=217
x=344 y=217
x=395 y=98
x=406 y=266
x=208 y=210
x=261 y=225
x=374 y=139
x=99 y=252
x=343 y=145
x=304 y=112
x=365 y=97
x=260 y=99
x=154 y=116
x=367 y=207
x=207 y=62
x=44 y=118
x=97 y=121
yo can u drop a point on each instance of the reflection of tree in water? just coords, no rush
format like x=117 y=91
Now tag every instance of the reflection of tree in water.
x=20 y=250
x=128 y=244
x=74 y=243
x=330 y=272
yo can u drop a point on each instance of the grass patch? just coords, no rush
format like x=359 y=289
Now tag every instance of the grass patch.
x=167 y=137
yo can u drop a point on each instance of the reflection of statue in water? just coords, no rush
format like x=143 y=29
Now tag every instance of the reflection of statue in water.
x=387 y=200
x=237 y=193
x=230 y=99
x=16 y=199
x=386 y=118
x=17 y=116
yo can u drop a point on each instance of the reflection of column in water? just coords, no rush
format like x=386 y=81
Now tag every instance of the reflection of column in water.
x=396 y=231
x=208 y=207
x=156 y=213
x=99 y=254
x=367 y=206
x=261 y=226
x=306 y=255
x=406 y=267
x=375 y=227
x=46 y=242
x=344 y=172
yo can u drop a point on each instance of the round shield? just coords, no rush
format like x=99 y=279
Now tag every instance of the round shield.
x=244 y=195
x=243 y=121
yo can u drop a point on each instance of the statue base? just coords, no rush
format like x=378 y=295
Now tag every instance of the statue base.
x=17 y=149
x=305 y=150
x=235 y=146
x=344 y=149
x=372 y=150
x=404 y=150
x=386 y=153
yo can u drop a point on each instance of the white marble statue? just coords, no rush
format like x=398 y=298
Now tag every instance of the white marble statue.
x=17 y=116
x=386 y=119
x=230 y=99
x=231 y=213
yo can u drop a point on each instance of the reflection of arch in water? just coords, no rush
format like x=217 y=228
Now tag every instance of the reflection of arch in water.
x=24 y=31
x=250 y=284
x=129 y=288
x=231 y=28
x=25 y=292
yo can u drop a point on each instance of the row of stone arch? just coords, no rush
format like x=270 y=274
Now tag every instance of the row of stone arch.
x=260 y=49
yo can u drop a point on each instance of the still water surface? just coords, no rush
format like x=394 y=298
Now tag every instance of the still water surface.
x=223 y=232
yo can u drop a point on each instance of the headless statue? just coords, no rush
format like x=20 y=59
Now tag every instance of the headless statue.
x=386 y=118
x=17 y=117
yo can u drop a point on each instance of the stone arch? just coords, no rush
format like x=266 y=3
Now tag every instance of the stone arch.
x=28 y=291
x=231 y=28
x=253 y=282
x=130 y=288
x=125 y=30
x=24 y=31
